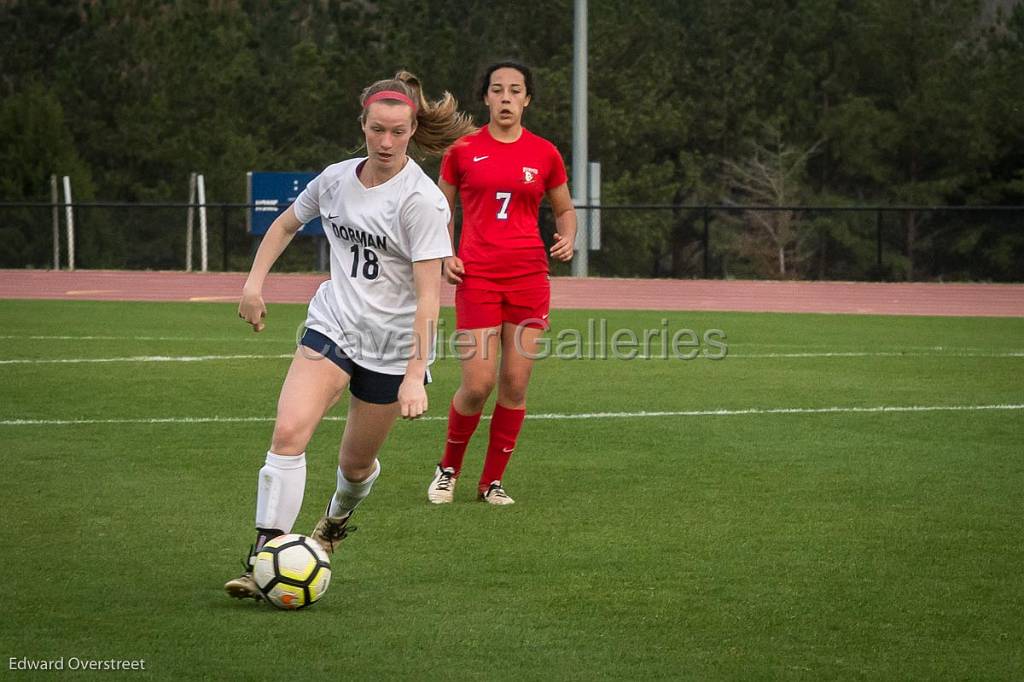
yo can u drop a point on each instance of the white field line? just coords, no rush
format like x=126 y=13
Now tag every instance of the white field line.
x=753 y=411
x=610 y=356
x=190 y=339
x=881 y=354
x=144 y=358
x=761 y=356
x=757 y=344
x=903 y=350
x=907 y=351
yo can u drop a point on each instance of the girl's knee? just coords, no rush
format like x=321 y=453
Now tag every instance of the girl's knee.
x=290 y=436
x=477 y=391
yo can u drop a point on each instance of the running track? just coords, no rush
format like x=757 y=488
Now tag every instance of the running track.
x=995 y=300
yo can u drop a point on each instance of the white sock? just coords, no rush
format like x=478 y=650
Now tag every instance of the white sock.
x=348 y=495
x=282 y=484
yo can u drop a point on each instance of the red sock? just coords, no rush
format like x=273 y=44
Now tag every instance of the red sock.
x=460 y=430
x=505 y=426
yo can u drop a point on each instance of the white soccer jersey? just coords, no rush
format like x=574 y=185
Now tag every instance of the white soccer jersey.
x=368 y=305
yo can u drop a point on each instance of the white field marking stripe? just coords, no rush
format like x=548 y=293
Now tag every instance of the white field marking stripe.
x=595 y=345
x=951 y=349
x=761 y=356
x=587 y=415
x=626 y=356
x=941 y=351
x=730 y=344
x=656 y=343
x=886 y=354
x=146 y=358
x=915 y=351
x=781 y=410
x=37 y=337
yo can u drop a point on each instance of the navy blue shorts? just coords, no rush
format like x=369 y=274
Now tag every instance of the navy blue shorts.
x=365 y=384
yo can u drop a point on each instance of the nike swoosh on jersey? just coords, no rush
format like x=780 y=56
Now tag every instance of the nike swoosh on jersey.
x=480 y=158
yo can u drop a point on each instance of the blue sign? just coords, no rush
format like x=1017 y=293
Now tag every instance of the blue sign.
x=270 y=193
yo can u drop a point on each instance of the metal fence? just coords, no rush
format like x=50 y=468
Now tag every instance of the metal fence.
x=883 y=243
x=867 y=243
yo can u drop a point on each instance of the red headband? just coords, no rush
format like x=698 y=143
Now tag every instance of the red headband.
x=389 y=94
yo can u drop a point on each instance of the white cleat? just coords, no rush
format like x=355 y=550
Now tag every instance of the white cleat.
x=496 y=495
x=442 y=488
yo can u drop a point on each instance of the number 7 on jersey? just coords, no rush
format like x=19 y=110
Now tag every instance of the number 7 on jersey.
x=504 y=198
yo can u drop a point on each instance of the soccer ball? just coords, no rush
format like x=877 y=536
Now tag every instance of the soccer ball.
x=292 y=571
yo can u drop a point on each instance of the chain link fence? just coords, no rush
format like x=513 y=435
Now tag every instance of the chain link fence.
x=864 y=243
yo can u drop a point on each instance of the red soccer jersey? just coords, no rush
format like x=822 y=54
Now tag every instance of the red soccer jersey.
x=501 y=186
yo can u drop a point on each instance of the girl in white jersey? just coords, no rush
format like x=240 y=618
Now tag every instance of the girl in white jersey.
x=370 y=327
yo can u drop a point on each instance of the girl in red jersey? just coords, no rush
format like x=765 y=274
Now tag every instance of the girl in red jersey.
x=501 y=172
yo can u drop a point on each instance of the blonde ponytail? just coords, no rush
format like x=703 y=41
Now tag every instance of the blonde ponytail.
x=438 y=124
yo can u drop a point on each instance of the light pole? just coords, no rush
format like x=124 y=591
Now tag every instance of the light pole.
x=580 y=171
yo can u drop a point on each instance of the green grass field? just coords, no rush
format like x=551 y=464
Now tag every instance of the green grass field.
x=760 y=542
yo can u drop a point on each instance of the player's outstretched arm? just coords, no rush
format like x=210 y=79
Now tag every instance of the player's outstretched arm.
x=412 y=396
x=565 y=222
x=252 y=308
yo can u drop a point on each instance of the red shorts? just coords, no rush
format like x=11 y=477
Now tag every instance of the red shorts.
x=479 y=308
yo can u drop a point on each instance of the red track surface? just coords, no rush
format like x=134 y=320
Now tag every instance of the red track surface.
x=996 y=300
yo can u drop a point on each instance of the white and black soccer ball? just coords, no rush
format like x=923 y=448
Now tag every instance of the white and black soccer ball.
x=292 y=571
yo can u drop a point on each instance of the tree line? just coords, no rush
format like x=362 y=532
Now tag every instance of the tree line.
x=728 y=102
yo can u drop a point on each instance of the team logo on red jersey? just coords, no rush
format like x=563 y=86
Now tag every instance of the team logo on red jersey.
x=529 y=174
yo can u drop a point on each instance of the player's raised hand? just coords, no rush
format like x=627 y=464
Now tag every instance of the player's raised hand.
x=561 y=249
x=412 y=398
x=454 y=269
x=253 y=310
